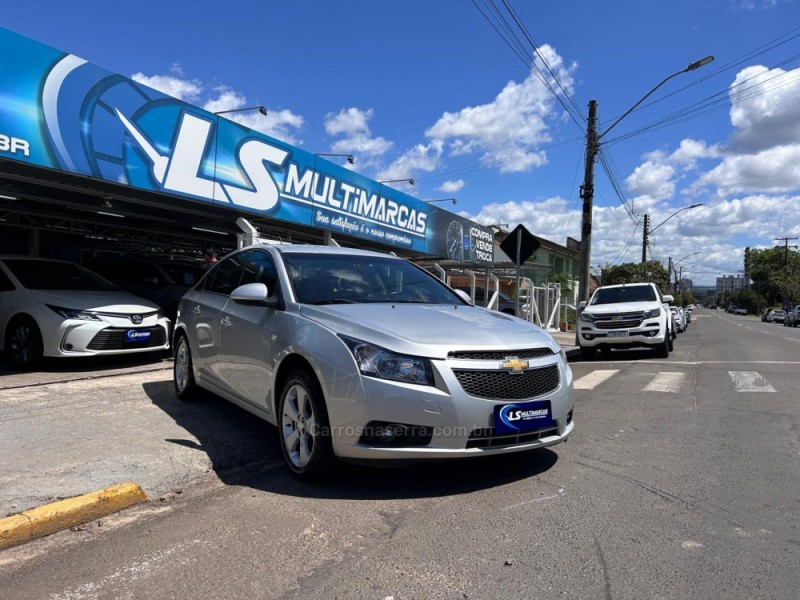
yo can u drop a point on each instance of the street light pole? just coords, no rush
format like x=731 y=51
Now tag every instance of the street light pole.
x=587 y=195
x=587 y=189
x=648 y=231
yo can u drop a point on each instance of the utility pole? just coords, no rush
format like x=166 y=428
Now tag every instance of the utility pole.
x=587 y=195
x=644 y=238
x=669 y=274
x=786 y=247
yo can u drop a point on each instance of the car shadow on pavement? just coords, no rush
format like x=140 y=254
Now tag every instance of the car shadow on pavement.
x=612 y=355
x=244 y=450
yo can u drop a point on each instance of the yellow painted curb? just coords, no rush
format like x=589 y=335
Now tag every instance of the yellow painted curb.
x=47 y=519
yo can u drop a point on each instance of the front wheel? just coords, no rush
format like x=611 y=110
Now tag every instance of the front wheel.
x=671 y=344
x=182 y=370
x=304 y=427
x=23 y=344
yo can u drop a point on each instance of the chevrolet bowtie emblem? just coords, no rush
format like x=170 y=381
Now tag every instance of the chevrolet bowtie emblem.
x=514 y=365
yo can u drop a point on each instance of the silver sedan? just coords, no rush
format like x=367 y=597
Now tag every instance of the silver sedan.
x=359 y=355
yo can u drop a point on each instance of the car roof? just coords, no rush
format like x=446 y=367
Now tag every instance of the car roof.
x=621 y=285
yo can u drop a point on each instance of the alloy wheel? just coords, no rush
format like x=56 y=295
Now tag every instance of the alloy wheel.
x=299 y=426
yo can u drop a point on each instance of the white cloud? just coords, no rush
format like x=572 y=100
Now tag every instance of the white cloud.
x=652 y=179
x=451 y=187
x=764 y=108
x=773 y=170
x=506 y=129
x=182 y=89
x=421 y=158
x=353 y=123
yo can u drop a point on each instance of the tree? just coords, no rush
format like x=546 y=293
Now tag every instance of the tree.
x=775 y=273
x=651 y=271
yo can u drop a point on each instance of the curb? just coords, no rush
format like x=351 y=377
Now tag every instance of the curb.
x=49 y=518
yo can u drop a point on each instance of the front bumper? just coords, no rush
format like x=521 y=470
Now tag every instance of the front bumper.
x=650 y=332
x=112 y=335
x=457 y=424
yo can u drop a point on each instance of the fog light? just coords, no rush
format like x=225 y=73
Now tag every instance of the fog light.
x=588 y=336
x=381 y=433
x=67 y=346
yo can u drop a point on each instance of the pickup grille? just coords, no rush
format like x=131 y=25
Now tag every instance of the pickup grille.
x=619 y=321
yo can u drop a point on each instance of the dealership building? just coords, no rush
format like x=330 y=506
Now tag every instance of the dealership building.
x=92 y=162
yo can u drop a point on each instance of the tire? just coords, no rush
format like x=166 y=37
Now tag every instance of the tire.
x=182 y=371
x=23 y=344
x=670 y=345
x=304 y=427
x=587 y=353
x=662 y=350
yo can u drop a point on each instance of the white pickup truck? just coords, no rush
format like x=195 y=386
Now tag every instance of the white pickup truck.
x=626 y=316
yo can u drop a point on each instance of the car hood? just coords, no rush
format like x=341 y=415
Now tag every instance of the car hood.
x=607 y=309
x=112 y=302
x=430 y=330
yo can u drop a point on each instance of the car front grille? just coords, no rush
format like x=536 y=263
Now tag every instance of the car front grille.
x=502 y=385
x=114 y=339
x=619 y=321
x=489 y=438
x=527 y=353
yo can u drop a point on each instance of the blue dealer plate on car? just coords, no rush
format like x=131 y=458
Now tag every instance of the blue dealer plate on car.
x=137 y=336
x=525 y=416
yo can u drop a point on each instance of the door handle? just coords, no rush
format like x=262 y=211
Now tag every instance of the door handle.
x=226 y=322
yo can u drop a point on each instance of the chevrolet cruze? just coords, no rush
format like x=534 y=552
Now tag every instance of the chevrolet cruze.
x=56 y=308
x=359 y=355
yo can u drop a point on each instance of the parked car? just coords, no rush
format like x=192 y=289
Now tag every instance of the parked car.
x=680 y=319
x=740 y=311
x=360 y=355
x=57 y=308
x=505 y=303
x=776 y=316
x=160 y=281
x=792 y=317
x=626 y=316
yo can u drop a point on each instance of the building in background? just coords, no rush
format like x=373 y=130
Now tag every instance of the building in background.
x=730 y=284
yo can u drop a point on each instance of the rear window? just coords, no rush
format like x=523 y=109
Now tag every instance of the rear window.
x=49 y=275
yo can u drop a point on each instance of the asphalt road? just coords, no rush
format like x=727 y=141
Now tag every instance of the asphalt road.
x=681 y=481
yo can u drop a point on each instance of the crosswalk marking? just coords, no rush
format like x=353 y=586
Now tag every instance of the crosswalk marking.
x=666 y=382
x=672 y=381
x=593 y=379
x=750 y=381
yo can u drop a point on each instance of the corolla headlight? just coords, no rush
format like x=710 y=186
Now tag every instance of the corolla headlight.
x=375 y=361
x=587 y=317
x=72 y=313
x=651 y=314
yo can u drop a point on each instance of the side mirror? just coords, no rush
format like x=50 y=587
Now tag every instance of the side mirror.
x=582 y=304
x=668 y=299
x=464 y=296
x=252 y=293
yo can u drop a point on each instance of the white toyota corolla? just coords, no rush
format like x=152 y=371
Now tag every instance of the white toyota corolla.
x=360 y=355
x=57 y=308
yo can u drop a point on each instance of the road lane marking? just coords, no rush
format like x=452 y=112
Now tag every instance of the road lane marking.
x=669 y=381
x=750 y=381
x=593 y=379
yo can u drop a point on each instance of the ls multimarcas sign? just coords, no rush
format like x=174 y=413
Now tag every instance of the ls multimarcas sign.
x=61 y=112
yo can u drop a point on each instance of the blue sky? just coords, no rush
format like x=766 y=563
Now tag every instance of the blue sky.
x=430 y=90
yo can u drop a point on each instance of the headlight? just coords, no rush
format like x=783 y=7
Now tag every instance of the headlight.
x=650 y=314
x=378 y=362
x=71 y=313
x=587 y=317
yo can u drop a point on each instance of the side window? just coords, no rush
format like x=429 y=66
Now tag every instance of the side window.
x=260 y=269
x=226 y=275
x=5 y=283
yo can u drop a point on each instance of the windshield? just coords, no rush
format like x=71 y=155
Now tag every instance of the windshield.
x=351 y=279
x=55 y=275
x=632 y=293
